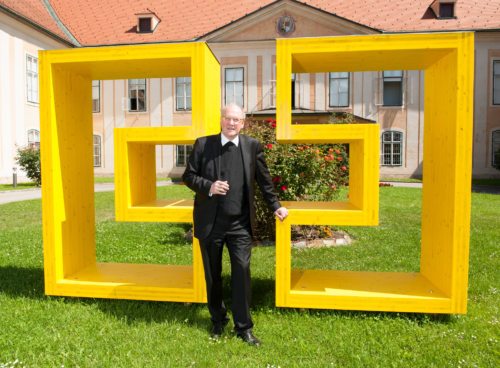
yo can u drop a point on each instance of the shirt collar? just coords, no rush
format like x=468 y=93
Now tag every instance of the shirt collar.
x=224 y=140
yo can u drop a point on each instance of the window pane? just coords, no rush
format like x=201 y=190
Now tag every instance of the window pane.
x=238 y=75
x=496 y=83
x=229 y=75
x=32 y=79
x=137 y=94
x=182 y=154
x=339 y=89
x=392 y=148
x=180 y=103
x=238 y=88
x=97 y=151
x=393 y=73
x=96 y=96
x=393 y=94
x=339 y=75
x=495 y=147
x=234 y=91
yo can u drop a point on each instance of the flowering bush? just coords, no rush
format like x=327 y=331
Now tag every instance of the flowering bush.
x=300 y=172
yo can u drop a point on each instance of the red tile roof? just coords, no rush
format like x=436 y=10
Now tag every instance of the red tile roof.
x=35 y=12
x=415 y=15
x=97 y=22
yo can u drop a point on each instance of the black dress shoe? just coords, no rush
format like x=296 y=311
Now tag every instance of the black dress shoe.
x=248 y=337
x=218 y=329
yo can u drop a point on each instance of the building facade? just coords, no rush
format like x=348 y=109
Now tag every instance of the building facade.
x=246 y=50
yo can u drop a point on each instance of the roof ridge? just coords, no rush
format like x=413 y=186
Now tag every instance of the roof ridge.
x=59 y=23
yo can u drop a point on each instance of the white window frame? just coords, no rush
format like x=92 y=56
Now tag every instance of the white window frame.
x=495 y=145
x=32 y=81
x=136 y=90
x=338 y=78
x=180 y=93
x=97 y=150
x=393 y=79
x=272 y=87
x=33 y=138
x=182 y=152
x=225 y=99
x=495 y=90
x=392 y=143
x=96 y=88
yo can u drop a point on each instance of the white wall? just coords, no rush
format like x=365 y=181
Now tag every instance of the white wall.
x=17 y=116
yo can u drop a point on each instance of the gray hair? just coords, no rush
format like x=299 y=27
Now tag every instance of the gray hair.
x=232 y=105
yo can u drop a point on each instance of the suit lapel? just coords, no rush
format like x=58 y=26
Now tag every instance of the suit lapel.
x=217 y=149
x=246 y=156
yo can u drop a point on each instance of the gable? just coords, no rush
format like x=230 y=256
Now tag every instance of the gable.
x=303 y=20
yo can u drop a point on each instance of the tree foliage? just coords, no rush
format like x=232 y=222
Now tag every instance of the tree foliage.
x=29 y=160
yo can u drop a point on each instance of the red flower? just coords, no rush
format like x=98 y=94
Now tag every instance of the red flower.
x=284 y=187
x=269 y=146
x=276 y=179
x=339 y=158
x=273 y=124
x=269 y=120
x=343 y=168
x=337 y=152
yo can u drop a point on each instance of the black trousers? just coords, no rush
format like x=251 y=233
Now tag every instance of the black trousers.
x=235 y=233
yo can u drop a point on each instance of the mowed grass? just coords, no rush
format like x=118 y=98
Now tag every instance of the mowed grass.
x=41 y=331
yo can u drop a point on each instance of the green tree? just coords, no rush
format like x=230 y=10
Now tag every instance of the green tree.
x=29 y=160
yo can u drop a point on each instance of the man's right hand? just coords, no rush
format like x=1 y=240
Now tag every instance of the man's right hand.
x=219 y=187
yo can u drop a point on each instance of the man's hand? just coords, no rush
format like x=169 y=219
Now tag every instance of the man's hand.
x=281 y=213
x=219 y=187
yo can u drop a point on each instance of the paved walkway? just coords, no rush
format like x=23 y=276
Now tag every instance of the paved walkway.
x=26 y=194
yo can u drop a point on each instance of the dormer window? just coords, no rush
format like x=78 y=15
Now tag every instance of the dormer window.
x=444 y=9
x=145 y=25
x=147 y=21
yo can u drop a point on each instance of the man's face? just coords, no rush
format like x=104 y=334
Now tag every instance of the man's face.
x=232 y=122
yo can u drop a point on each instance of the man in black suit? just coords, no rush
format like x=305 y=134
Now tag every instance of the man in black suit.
x=222 y=170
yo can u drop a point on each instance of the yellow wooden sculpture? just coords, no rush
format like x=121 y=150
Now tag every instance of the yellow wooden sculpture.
x=68 y=181
x=68 y=187
x=441 y=284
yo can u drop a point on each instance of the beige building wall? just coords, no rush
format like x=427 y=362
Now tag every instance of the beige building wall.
x=248 y=43
x=486 y=115
x=17 y=115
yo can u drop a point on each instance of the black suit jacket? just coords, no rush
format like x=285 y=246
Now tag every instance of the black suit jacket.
x=203 y=169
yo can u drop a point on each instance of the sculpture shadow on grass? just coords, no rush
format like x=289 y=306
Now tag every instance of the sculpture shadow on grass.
x=29 y=283
x=22 y=282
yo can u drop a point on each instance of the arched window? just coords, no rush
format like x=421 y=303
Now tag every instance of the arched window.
x=97 y=151
x=34 y=138
x=392 y=148
x=495 y=148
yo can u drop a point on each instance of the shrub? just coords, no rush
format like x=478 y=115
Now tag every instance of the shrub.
x=29 y=160
x=300 y=172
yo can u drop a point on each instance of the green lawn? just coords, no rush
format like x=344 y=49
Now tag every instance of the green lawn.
x=41 y=331
x=20 y=186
